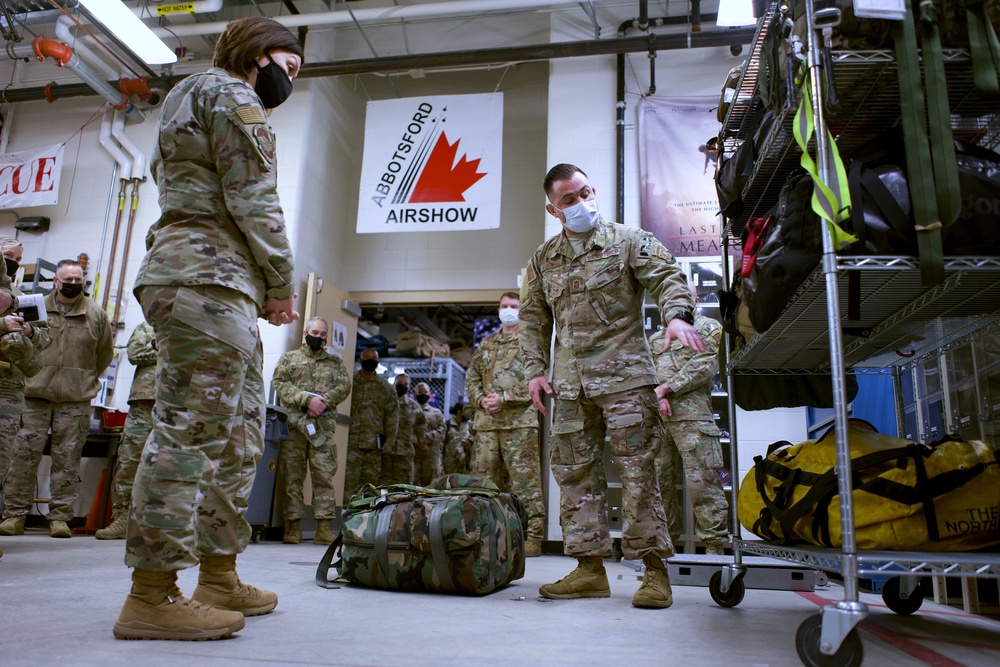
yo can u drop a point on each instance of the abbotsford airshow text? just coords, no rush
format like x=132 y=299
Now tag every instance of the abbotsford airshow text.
x=401 y=173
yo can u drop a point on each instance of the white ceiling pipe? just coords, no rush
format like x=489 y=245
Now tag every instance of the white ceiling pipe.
x=64 y=32
x=138 y=157
x=472 y=8
x=111 y=146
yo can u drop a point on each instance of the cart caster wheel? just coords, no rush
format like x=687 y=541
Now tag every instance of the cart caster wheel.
x=807 y=639
x=730 y=598
x=890 y=595
x=255 y=535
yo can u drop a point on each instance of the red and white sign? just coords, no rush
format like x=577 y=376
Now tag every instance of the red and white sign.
x=432 y=164
x=31 y=178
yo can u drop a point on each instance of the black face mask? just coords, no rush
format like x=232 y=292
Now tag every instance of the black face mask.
x=273 y=85
x=71 y=290
x=422 y=398
x=401 y=389
x=12 y=266
x=369 y=365
x=315 y=343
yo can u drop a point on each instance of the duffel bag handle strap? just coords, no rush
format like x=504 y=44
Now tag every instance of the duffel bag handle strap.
x=438 y=553
x=326 y=562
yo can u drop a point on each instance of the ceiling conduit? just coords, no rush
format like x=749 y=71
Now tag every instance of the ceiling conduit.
x=470 y=8
x=63 y=32
x=42 y=48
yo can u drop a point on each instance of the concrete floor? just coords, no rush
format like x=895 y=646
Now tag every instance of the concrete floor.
x=59 y=600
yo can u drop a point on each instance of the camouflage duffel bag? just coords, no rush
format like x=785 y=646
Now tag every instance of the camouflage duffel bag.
x=464 y=537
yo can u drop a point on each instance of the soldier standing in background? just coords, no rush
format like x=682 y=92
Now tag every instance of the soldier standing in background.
x=692 y=436
x=586 y=285
x=58 y=397
x=16 y=336
x=310 y=383
x=139 y=422
x=457 y=442
x=428 y=453
x=506 y=448
x=397 y=466
x=218 y=259
x=374 y=419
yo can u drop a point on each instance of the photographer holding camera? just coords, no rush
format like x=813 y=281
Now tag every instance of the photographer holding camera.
x=20 y=343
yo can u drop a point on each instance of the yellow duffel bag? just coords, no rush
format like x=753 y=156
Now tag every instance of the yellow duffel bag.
x=944 y=496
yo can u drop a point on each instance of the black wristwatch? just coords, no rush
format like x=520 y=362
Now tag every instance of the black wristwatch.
x=685 y=316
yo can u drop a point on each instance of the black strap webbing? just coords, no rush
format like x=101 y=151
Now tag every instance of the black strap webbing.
x=322 y=580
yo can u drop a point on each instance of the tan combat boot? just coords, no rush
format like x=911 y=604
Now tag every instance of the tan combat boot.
x=654 y=593
x=13 y=526
x=588 y=580
x=59 y=529
x=156 y=610
x=323 y=533
x=532 y=549
x=116 y=529
x=220 y=586
x=293 y=532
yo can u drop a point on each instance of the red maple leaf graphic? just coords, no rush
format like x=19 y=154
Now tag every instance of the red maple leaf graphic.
x=439 y=181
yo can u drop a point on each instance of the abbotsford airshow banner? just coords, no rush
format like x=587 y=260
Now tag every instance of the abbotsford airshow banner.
x=677 y=173
x=432 y=164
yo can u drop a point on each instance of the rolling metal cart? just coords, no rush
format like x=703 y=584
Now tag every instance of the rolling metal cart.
x=897 y=312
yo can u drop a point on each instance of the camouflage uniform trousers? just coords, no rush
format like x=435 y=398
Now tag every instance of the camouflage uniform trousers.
x=579 y=426
x=363 y=467
x=321 y=454
x=454 y=458
x=138 y=424
x=396 y=469
x=691 y=447
x=11 y=407
x=511 y=458
x=193 y=483
x=70 y=423
x=427 y=465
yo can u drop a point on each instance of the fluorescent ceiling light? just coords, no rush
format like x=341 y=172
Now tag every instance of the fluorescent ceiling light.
x=126 y=26
x=735 y=12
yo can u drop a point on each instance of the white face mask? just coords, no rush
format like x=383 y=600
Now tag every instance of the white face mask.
x=581 y=217
x=508 y=316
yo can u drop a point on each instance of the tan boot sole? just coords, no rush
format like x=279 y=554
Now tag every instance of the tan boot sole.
x=142 y=630
x=575 y=596
x=642 y=602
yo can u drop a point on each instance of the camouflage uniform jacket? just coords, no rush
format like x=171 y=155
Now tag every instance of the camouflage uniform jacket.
x=594 y=303
x=300 y=374
x=434 y=433
x=142 y=352
x=13 y=378
x=411 y=422
x=374 y=412
x=497 y=367
x=221 y=223
x=81 y=350
x=690 y=374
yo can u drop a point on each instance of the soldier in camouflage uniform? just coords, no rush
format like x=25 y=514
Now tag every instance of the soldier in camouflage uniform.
x=58 y=397
x=585 y=285
x=310 y=383
x=218 y=258
x=374 y=418
x=692 y=436
x=397 y=466
x=139 y=422
x=506 y=447
x=457 y=442
x=429 y=450
x=20 y=343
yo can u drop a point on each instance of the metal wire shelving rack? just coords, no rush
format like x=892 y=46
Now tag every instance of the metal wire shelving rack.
x=892 y=312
